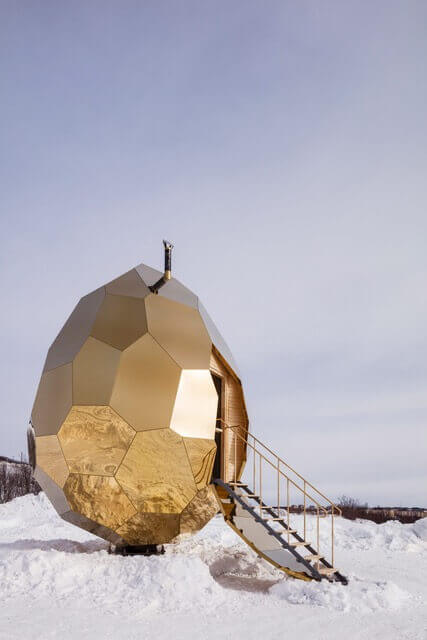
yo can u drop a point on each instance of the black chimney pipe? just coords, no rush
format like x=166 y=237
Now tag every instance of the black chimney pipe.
x=168 y=268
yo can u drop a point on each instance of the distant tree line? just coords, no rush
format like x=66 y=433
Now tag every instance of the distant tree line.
x=16 y=479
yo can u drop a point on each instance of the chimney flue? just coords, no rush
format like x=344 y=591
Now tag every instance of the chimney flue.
x=168 y=268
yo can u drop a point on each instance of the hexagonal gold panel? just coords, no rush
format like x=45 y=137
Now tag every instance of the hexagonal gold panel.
x=120 y=321
x=146 y=385
x=194 y=412
x=201 y=453
x=180 y=331
x=156 y=472
x=150 y=528
x=199 y=511
x=99 y=498
x=94 y=371
x=51 y=459
x=94 y=440
x=53 y=400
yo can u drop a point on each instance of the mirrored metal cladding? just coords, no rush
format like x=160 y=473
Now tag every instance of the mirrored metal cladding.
x=126 y=411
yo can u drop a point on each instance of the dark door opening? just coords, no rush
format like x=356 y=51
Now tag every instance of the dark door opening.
x=216 y=473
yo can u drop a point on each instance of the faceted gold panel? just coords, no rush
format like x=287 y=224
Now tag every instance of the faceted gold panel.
x=94 y=370
x=194 y=412
x=150 y=528
x=146 y=385
x=217 y=339
x=201 y=453
x=99 y=498
x=200 y=510
x=180 y=331
x=53 y=401
x=94 y=440
x=55 y=493
x=93 y=527
x=120 y=321
x=173 y=289
x=51 y=459
x=75 y=330
x=129 y=284
x=156 y=472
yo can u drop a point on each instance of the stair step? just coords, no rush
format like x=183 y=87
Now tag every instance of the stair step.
x=237 y=484
x=327 y=571
x=248 y=495
x=298 y=543
x=275 y=519
x=313 y=556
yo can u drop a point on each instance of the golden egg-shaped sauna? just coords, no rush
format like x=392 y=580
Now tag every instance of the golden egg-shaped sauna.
x=131 y=411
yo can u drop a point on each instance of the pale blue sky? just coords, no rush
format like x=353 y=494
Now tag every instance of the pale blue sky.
x=282 y=146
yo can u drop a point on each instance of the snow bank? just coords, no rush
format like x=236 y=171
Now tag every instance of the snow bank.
x=50 y=559
x=359 y=595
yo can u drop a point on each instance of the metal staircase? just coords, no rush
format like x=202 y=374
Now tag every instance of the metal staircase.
x=278 y=532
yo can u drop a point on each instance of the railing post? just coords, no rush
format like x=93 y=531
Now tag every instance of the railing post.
x=278 y=488
x=305 y=514
x=235 y=456
x=332 y=537
x=318 y=536
x=260 y=485
x=287 y=507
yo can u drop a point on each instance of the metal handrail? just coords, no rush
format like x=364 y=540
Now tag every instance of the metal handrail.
x=321 y=511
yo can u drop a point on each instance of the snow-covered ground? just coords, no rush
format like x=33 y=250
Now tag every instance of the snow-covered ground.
x=57 y=581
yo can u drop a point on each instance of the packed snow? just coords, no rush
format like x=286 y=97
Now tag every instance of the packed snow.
x=57 y=581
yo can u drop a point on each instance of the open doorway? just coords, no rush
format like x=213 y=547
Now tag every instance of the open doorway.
x=217 y=468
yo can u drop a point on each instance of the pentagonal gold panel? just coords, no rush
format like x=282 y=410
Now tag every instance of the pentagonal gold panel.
x=75 y=330
x=180 y=331
x=53 y=400
x=94 y=370
x=156 y=473
x=94 y=440
x=120 y=321
x=99 y=498
x=201 y=453
x=51 y=459
x=150 y=528
x=194 y=412
x=200 y=510
x=173 y=289
x=55 y=493
x=129 y=284
x=146 y=385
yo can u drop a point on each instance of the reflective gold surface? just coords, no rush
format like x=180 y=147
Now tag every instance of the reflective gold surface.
x=126 y=409
x=129 y=284
x=156 y=473
x=99 y=498
x=120 y=321
x=199 y=511
x=51 y=459
x=146 y=385
x=94 y=371
x=180 y=331
x=201 y=453
x=55 y=493
x=94 y=440
x=150 y=528
x=53 y=400
x=75 y=330
x=194 y=412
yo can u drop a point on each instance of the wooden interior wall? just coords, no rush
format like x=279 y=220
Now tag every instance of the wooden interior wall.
x=234 y=413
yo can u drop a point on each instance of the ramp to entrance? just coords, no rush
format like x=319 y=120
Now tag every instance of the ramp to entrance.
x=278 y=532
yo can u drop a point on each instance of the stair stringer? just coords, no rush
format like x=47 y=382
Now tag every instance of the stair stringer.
x=309 y=572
